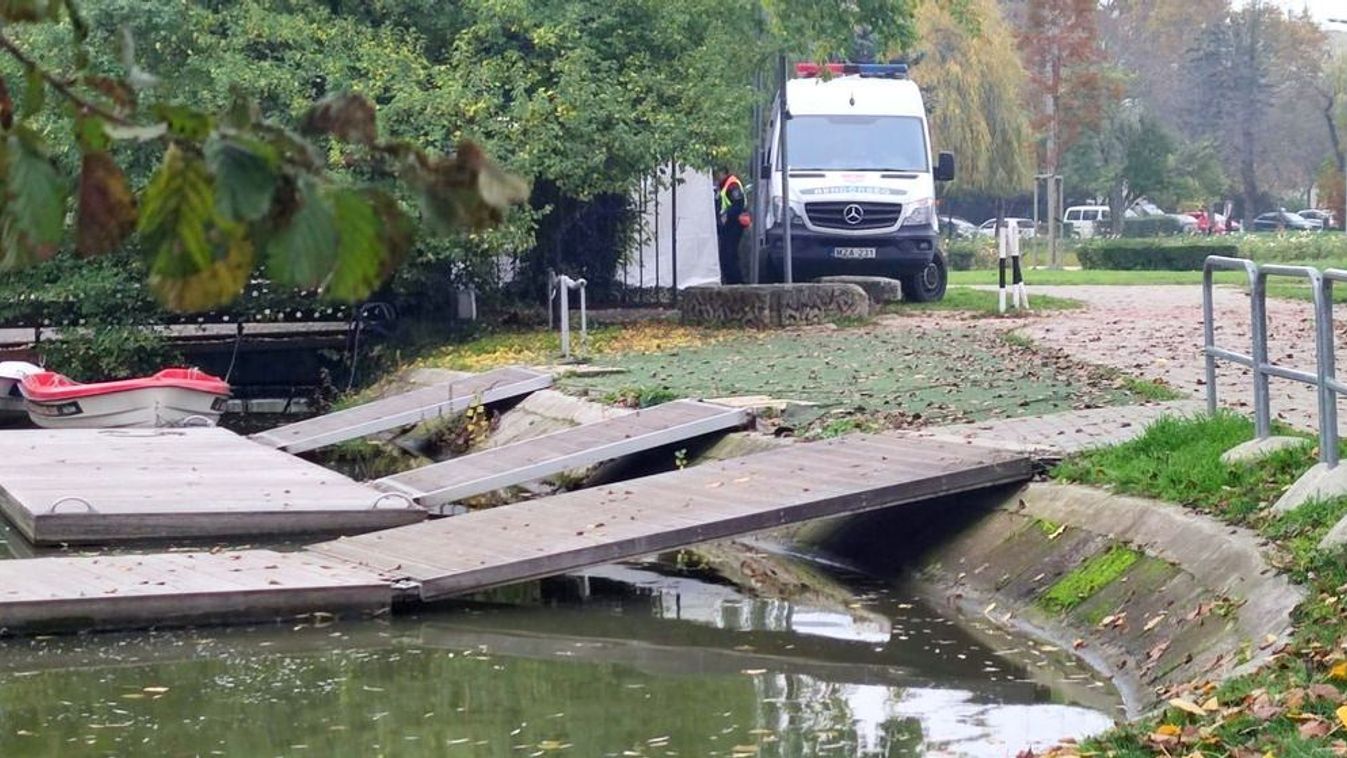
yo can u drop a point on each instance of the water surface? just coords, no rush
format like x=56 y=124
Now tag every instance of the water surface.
x=623 y=661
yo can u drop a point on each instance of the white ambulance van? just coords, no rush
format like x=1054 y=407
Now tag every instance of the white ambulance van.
x=862 y=179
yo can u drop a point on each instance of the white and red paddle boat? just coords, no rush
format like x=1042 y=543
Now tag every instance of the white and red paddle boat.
x=172 y=397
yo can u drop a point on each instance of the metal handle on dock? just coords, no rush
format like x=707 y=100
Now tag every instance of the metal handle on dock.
x=409 y=503
x=195 y=420
x=89 y=508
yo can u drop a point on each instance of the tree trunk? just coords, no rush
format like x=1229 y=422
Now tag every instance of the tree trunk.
x=1117 y=206
x=1248 y=147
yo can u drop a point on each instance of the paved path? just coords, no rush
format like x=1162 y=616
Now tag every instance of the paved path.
x=1156 y=332
x=1061 y=434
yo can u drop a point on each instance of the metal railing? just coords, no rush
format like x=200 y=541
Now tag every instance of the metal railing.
x=563 y=285
x=1323 y=378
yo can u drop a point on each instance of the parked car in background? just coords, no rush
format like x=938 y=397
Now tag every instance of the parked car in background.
x=1023 y=225
x=1187 y=223
x=1086 y=221
x=1223 y=225
x=1144 y=208
x=959 y=228
x=1283 y=221
x=1326 y=219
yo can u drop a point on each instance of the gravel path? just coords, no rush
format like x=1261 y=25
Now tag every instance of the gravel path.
x=1156 y=332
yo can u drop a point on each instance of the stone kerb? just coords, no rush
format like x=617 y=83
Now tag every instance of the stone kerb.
x=763 y=306
x=882 y=290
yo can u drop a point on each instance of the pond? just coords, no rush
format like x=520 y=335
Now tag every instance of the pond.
x=632 y=660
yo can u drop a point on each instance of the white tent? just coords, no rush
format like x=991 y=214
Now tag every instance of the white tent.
x=650 y=262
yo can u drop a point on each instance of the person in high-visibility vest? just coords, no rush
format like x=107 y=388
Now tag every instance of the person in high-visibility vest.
x=732 y=219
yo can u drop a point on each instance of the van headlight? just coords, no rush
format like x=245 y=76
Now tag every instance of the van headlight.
x=796 y=216
x=920 y=213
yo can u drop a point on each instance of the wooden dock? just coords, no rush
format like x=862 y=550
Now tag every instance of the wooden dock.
x=405 y=409
x=133 y=591
x=709 y=502
x=107 y=485
x=533 y=459
x=484 y=549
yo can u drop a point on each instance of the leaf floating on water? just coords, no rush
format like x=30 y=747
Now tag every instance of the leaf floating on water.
x=154 y=690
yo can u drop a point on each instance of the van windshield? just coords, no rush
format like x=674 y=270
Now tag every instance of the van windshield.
x=858 y=143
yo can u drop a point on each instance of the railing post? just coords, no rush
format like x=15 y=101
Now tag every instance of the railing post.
x=1209 y=337
x=563 y=284
x=584 y=317
x=1262 y=395
x=1328 y=371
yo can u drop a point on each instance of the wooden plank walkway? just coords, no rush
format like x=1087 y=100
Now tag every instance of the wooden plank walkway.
x=405 y=409
x=708 y=502
x=530 y=460
x=132 y=591
x=107 y=485
x=525 y=541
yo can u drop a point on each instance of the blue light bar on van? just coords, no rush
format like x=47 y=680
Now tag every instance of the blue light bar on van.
x=868 y=70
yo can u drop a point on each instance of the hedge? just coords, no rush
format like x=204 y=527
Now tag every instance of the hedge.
x=1142 y=255
x=1152 y=226
x=960 y=255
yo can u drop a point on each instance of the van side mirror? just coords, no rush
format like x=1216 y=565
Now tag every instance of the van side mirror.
x=944 y=168
x=766 y=170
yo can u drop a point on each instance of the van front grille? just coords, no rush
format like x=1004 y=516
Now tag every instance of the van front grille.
x=849 y=216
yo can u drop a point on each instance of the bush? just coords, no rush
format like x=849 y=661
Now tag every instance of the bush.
x=1152 y=226
x=1293 y=247
x=1142 y=255
x=965 y=255
x=108 y=351
x=959 y=256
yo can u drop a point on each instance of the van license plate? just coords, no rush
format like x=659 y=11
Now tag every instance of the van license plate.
x=853 y=253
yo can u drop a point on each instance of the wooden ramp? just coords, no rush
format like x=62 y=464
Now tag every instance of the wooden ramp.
x=708 y=502
x=405 y=409
x=529 y=460
x=132 y=591
x=108 y=485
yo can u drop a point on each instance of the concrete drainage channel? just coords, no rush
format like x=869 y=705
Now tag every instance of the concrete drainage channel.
x=1147 y=593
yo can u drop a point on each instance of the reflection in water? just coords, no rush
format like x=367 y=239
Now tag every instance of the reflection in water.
x=620 y=661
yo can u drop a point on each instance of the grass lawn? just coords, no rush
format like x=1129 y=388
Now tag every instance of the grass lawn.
x=1293 y=705
x=1056 y=277
x=983 y=302
x=541 y=346
x=1279 y=287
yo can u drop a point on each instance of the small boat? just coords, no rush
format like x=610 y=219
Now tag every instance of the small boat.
x=12 y=408
x=173 y=397
x=13 y=372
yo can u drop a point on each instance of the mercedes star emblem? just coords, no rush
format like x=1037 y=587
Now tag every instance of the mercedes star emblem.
x=853 y=214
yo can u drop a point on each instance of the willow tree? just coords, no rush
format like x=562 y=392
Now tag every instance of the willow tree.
x=971 y=71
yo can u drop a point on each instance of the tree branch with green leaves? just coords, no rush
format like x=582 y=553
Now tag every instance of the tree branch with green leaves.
x=233 y=193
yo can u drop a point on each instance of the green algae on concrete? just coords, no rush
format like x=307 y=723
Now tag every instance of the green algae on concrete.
x=913 y=371
x=1092 y=576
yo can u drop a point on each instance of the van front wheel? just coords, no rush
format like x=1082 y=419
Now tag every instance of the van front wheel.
x=928 y=285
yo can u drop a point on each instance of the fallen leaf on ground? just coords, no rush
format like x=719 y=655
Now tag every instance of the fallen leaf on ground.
x=1187 y=706
x=1315 y=728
